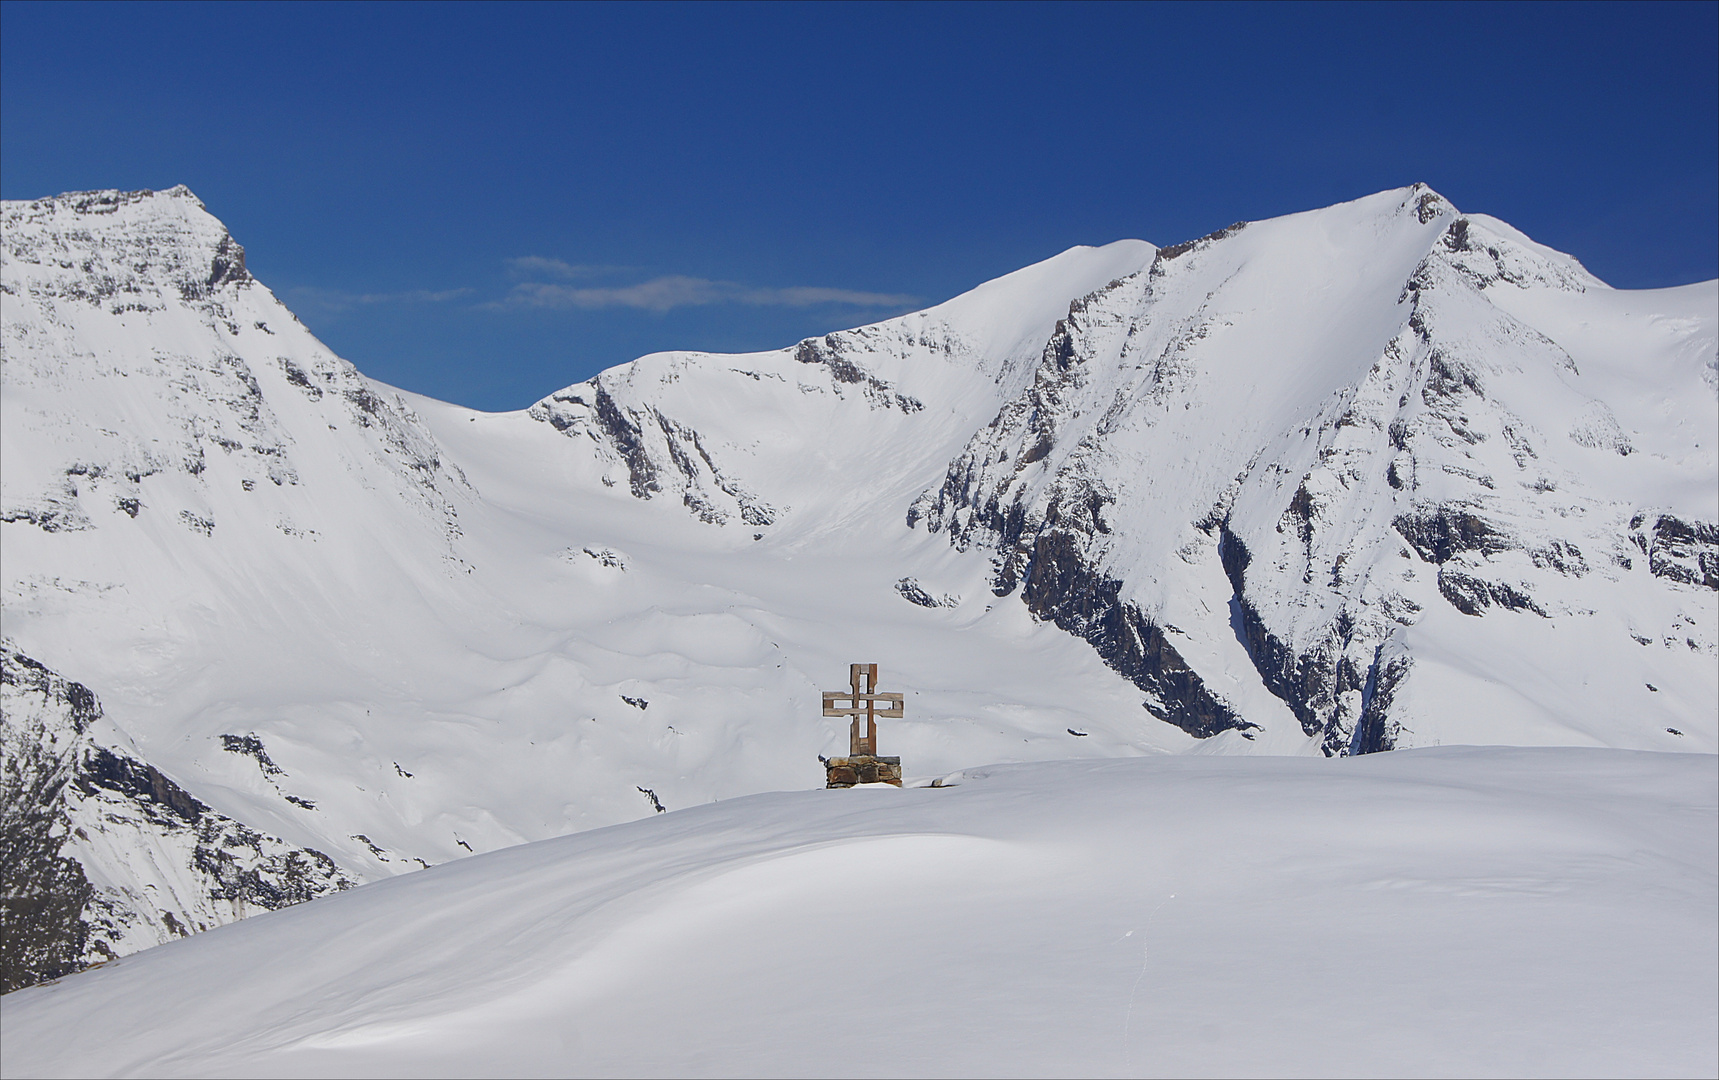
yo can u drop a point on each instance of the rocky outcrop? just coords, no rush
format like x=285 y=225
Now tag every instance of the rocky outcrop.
x=44 y=893
x=1678 y=550
x=1061 y=586
x=103 y=853
x=659 y=455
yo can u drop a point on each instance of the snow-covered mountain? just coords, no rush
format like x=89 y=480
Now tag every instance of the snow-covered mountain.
x=1442 y=483
x=1380 y=475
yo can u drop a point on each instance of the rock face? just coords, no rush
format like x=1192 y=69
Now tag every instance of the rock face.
x=105 y=855
x=1379 y=475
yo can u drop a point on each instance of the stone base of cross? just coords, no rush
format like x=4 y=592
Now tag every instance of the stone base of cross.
x=861 y=702
x=861 y=769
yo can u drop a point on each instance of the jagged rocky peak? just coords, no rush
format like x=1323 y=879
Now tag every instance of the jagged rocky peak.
x=148 y=237
x=154 y=374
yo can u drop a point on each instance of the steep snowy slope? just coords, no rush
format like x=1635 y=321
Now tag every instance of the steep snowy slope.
x=1450 y=911
x=1377 y=475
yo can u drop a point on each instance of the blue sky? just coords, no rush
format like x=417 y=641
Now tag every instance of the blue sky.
x=487 y=202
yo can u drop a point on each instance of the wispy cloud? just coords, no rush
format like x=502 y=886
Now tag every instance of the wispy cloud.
x=573 y=289
x=538 y=266
x=676 y=290
x=334 y=300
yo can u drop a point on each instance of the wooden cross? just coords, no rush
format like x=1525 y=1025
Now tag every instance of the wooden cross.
x=862 y=701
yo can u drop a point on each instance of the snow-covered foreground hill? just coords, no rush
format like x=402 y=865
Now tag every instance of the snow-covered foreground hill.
x=1381 y=475
x=1439 y=912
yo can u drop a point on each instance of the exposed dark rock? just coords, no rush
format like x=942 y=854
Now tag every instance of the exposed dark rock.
x=845 y=772
x=826 y=351
x=1293 y=679
x=53 y=511
x=251 y=746
x=1472 y=595
x=1062 y=588
x=692 y=492
x=140 y=783
x=1456 y=238
x=914 y=593
x=1375 y=732
x=197 y=522
x=1685 y=551
x=607 y=557
x=42 y=933
x=297 y=377
x=1465 y=593
x=753 y=511
x=1439 y=532
x=628 y=440
x=1562 y=556
x=1177 y=250
x=368 y=404
x=42 y=893
x=1428 y=207
x=1310 y=680
x=228 y=266
x=631 y=434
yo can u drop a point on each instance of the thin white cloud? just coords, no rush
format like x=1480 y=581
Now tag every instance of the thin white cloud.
x=677 y=290
x=538 y=266
x=808 y=295
x=334 y=300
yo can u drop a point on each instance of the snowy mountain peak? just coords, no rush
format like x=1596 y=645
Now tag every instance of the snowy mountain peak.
x=1373 y=384
x=171 y=238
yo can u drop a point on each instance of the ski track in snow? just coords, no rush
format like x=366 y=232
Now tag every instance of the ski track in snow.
x=1134 y=990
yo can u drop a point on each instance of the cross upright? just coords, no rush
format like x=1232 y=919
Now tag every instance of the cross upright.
x=861 y=702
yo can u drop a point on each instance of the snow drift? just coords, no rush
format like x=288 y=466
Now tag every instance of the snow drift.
x=1439 y=912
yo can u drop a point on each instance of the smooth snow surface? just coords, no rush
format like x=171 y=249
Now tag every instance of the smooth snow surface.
x=1438 y=912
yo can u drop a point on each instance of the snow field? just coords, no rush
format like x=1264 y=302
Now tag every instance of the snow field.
x=1443 y=911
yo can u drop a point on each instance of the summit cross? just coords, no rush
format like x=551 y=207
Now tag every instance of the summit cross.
x=861 y=701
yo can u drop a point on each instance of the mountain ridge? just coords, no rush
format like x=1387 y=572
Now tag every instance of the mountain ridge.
x=1378 y=475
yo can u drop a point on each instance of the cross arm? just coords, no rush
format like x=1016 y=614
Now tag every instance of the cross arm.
x=883 y=705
